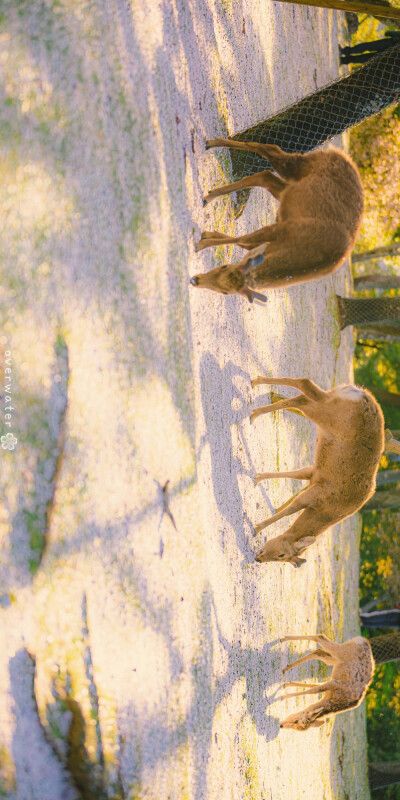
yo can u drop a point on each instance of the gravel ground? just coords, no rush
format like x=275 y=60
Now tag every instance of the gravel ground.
x=140 y=650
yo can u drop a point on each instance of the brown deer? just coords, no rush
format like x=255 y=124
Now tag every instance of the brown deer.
x=349 y=446
x=353 y=669
x=321 y=206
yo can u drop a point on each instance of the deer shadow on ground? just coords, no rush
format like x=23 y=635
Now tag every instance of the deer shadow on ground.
x=152 y=736
x=218 y=391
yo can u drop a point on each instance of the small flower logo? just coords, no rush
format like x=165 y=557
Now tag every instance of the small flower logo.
x=8 y=441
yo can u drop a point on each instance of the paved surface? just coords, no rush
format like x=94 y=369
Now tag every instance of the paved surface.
x=155 y=638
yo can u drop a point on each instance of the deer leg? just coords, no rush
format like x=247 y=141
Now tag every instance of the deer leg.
x=247 y=241
x=252 y=147
x=297 y=683
x=275 y=397
x=317 y=637
x=286 y=503
x=304 y=385
x=290 y=404
x=265 y=180
x=335 y=650
x=297 y=503
x=319 y=655
x=214 y=235
x=267 y=151
x=316 y=688
x=286 y=164
x=304 y=474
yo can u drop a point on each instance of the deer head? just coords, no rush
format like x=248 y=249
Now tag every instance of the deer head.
x=303 y=720
x=283 y=549
x=231 y=278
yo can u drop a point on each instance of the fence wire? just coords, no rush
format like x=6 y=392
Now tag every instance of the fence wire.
x=385 y=648
x=321 y=116
x=384 y=773
x=369 y=312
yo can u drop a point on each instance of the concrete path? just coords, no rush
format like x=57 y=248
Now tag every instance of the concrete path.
x=140 y=652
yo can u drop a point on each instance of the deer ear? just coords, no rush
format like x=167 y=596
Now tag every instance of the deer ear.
x=317 y=723
x=297 y=562
x=303 y=543
x=246 y=292
x=255 y=258
x=251 y=295
x=258 y=296
x=255 y=261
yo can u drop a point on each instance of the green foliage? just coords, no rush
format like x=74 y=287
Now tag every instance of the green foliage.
x=379 y=576
x=377 y=562
x=375 y=146
x=383 y=722
x=37 y=539
x=380 y=366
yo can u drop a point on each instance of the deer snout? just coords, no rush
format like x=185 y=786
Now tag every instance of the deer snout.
x=194 y=281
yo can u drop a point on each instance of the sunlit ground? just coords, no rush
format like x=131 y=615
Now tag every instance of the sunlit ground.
x=141 y=654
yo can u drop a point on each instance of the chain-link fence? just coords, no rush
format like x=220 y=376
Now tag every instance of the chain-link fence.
x=383 y=773
x=386 y=647
x=368 y=312
x=321 y=116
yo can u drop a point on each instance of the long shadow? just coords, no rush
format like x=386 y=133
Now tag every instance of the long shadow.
x=252 y=664
x=153 y=737
x=39 y=774
x=113 y=186
x=147 y=740
x=217 y=391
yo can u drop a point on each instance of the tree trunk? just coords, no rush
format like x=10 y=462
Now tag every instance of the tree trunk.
x=390 y=23
x=383 y=773
x=392 y=441
x=392 y=249
x=377 y=281
x=368 y=312
x=391 y=435
x=387 y=398
x=386 y=648
x=383 y=499
x=375 y=9
x=386 y=332
x=325 y=113
x=388 y=476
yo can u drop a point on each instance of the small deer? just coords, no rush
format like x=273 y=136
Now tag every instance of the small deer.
x=353 y=669
x=349 y=446
x=320 y=212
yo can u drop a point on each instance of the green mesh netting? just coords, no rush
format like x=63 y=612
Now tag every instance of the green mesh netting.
x=386 y=647
x=383 y=773
x=326 y=113
x=369 y=312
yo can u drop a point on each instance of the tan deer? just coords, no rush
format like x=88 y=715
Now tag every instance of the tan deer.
x=321 y=206
x=353 y=669
x=349 y=446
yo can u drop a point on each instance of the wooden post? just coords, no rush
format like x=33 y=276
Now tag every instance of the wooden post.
x=376 y=281
x=392 y=249
x=391 y=443
x=375 y=9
